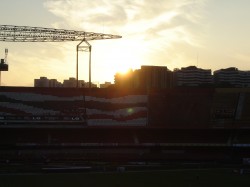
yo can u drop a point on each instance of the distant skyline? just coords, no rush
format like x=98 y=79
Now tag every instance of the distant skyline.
x=210 y=34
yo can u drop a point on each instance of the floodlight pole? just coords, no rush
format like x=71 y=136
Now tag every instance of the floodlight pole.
x=86 y=48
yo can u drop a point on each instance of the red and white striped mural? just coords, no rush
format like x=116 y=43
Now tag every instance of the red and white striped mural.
x=96 y=110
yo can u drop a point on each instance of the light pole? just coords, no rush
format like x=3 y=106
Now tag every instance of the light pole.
x=86 y=48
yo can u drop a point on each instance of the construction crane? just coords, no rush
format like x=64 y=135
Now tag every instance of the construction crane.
x=12 y=33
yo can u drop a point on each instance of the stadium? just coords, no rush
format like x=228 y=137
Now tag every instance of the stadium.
x=61 y=130
x=121 y=135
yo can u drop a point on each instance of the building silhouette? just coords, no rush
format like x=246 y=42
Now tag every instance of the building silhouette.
x=192 y=76
x=67 y=83
x=105 y=85
x=70 y=83
x=232 y=77
x=160 y=77
x=45 y=82
x=54 y=83
x=155 y=77
x=125 y=80
x=42 y=82
x=148 y=77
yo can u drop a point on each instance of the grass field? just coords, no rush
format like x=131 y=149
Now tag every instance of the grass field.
x=168 y=178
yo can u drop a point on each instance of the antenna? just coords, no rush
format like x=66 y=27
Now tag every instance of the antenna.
x=197 y=60
x=6 y=54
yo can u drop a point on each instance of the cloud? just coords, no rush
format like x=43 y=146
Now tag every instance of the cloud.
x=128 y=16
x=87 y=14
x=155 y=25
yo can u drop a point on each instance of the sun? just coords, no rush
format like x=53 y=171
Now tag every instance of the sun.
x=127 y=63
x=124 y=71
x=127 y=56
x=116 y=56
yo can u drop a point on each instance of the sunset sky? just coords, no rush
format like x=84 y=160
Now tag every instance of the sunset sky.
x=210 y=34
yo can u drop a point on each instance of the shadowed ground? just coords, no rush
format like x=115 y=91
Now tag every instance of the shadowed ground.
x=171 y=178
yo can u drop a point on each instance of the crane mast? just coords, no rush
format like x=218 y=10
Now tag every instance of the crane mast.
x=6 y=54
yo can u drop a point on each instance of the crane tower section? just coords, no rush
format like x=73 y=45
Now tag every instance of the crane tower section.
x=11 y=33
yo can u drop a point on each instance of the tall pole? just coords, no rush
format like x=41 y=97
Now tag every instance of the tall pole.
x=77 y=66
x=90 y=83
x=77 y=49
x=83 y=48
